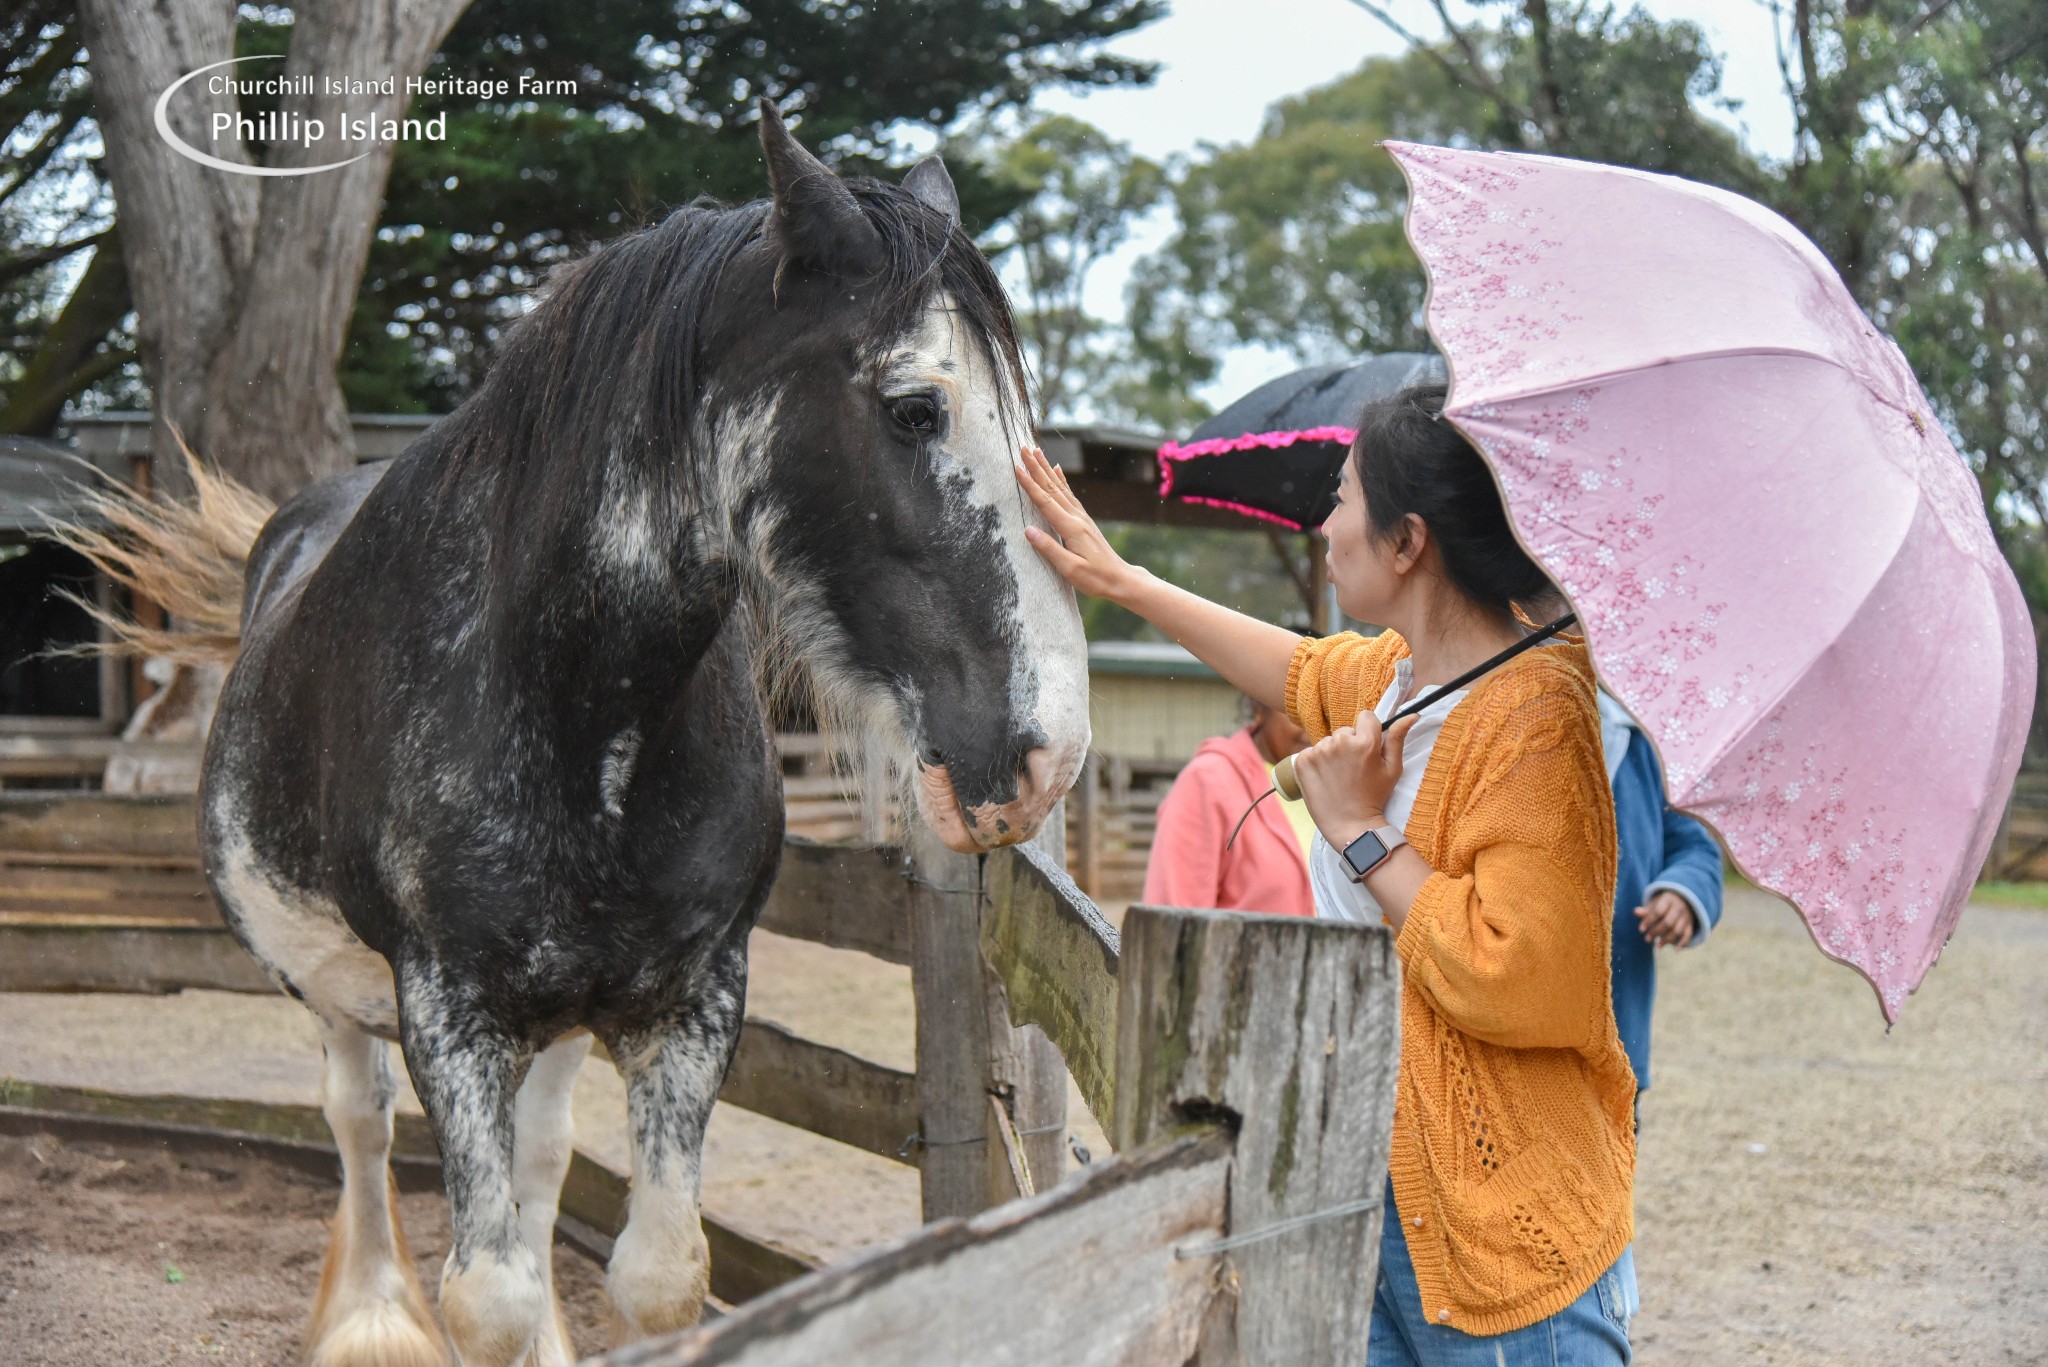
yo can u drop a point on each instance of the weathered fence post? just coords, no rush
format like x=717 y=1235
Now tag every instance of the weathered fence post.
x=968 y=1051
x=1288 y=1029
x=1025 y=1070
x=952 y=1027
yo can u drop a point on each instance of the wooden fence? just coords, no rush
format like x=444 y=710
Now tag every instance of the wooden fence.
x=1250 y=1066
x=1244 y=1065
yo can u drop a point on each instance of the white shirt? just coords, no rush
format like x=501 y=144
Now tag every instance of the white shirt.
x=1337 y=898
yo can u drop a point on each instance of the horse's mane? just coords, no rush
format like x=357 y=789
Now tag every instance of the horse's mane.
x=612 y=364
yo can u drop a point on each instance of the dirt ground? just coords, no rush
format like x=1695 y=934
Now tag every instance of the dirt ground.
x=1812 y=1192
x=121 y=1254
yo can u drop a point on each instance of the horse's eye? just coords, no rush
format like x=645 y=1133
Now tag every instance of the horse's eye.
x=917 y=413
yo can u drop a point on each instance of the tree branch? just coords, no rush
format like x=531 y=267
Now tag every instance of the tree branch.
x=65 y=361
x=1928 y=16
x=31 y=85
x=1794 y=95
x=30 y=163
x=2028 y=221
x=1474 y=74
x=13 y=268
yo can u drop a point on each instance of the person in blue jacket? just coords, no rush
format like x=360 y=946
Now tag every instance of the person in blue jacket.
x=1667 y=885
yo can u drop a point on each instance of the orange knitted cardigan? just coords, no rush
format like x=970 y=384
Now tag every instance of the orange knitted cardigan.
x=1514 y=1148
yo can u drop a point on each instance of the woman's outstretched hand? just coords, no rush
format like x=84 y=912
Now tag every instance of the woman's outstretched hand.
x=1249 y=653
x=1077 y=549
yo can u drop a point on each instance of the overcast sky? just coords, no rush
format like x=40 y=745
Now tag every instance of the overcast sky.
x=1222 y=62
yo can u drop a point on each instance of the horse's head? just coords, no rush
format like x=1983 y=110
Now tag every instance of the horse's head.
x=877 y=392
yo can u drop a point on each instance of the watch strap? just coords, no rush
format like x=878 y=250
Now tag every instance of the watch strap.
x=1371 y=850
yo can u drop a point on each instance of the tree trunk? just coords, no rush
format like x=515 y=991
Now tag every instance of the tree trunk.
x=243 y=285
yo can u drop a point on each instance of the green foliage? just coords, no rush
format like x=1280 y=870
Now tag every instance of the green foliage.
x=662 y=114
x=1076 y=193
x=1952 y=154
x=63 y=292
x=1296 y=240
x=1238 y=569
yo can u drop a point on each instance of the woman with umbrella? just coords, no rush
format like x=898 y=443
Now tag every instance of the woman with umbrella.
x=1482 y=830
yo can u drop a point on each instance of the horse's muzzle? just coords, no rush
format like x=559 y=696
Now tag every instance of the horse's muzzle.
x=1043 y=781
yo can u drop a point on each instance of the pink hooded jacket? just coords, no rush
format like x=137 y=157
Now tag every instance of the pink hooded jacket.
x=1263 y=871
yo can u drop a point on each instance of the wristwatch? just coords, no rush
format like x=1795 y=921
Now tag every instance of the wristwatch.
x=1370 y=850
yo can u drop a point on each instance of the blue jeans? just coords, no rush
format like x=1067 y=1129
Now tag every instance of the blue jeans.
x=1590 y=1332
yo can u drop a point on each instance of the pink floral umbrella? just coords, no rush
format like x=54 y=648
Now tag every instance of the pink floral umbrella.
x=1783 y=567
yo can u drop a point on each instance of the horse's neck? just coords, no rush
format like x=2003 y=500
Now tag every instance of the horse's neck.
x=566 y=574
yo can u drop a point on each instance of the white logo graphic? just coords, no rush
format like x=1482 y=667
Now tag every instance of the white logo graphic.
x=187 y=150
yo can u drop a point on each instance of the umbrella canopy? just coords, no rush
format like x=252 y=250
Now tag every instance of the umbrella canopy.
x=1783 y=567
x=1276 y=453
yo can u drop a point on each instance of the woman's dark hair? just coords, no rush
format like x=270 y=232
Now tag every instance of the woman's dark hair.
x=1409 y=460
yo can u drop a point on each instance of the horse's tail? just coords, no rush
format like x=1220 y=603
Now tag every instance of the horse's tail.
x=186 y=556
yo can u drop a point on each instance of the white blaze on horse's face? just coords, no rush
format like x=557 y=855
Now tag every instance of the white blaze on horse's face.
x=1048 y=691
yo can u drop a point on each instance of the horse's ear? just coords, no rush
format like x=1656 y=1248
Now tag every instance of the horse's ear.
x=819 y=222
x=929 y=182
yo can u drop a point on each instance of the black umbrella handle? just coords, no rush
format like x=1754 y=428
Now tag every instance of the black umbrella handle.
x=1529 y=642
x=1283 y=773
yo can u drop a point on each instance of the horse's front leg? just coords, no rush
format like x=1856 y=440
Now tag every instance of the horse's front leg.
x=661 y=1267
x=494 y=1300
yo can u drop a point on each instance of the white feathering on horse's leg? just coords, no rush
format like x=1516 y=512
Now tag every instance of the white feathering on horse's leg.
x=543 y=1141
x=495 y=1306
x=661 y=1265
x=371 y=1310
x=492 y=1297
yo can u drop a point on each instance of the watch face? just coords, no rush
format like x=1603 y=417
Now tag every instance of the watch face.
x=1364 y=854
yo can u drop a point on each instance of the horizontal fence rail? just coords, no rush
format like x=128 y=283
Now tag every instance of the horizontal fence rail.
x=840 y=896
x=1004 y=1287
x=1056 y=957
x=775 y=1073
x=105 y=955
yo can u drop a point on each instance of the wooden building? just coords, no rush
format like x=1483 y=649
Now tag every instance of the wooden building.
x=58 y=713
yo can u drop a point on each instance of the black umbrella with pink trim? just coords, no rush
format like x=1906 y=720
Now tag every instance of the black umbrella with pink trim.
x=1276 y=453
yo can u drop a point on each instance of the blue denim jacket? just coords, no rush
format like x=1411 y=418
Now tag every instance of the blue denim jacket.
x=1661 y=848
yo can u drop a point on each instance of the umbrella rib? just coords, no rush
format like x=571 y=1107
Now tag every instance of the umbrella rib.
x=1637 y=368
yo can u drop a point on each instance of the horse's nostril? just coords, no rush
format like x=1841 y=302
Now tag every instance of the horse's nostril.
x=1037 y=776
x=929 y=757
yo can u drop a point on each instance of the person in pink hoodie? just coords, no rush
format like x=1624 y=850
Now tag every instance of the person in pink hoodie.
x=1267 y=868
